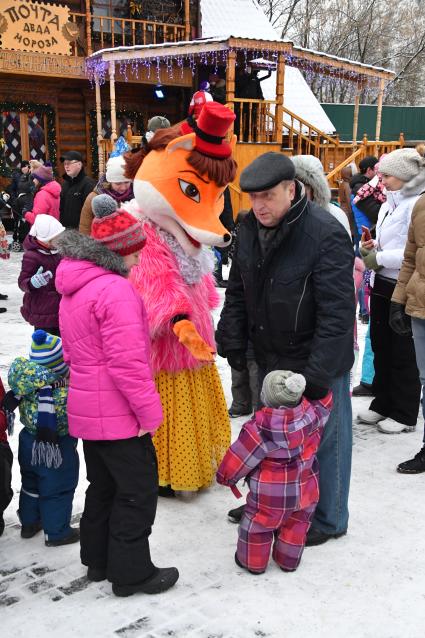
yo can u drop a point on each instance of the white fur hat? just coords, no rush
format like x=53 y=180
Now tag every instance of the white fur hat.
x=45 y=228
x=115 y=168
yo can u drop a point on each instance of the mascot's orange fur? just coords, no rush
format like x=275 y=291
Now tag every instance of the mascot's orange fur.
x=179 y=180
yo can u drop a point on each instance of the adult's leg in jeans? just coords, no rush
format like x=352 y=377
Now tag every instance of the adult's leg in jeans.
x=334 y=456
x=418 y=329
x=94 y=523
x=241 y=392
x=132 y=464
x=381 y=340
x=362 y=304
x=405 y=386
x=368 y=370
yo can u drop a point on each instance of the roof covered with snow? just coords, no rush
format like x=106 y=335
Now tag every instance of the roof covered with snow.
x=235 y=18
x=245 y=19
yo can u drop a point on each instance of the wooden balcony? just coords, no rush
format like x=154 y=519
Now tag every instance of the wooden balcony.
x=103 y=32
x=255 y=120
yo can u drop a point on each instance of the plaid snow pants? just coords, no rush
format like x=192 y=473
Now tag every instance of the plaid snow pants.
x=279 y=510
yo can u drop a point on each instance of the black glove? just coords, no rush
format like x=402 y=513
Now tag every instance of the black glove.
x=399 y=321
x=237 y=359
x=10 y=402
x=315 y=392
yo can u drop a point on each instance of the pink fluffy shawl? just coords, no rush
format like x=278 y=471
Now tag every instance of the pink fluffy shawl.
x=165 y=295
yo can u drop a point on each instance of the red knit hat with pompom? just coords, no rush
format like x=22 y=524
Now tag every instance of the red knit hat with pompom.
x=116 y=228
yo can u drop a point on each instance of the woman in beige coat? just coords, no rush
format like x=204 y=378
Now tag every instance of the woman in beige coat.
x=114 y=184
x=407 y=313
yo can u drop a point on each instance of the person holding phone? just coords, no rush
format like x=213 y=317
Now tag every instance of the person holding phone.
x=396 y=384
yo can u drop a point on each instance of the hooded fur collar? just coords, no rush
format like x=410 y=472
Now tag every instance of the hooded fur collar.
x=73 y=245
x=309 y=171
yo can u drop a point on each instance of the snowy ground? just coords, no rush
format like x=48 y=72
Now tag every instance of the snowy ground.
x=369 y=584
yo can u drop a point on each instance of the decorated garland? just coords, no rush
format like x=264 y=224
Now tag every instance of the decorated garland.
x=29 y=107
x=135 y=117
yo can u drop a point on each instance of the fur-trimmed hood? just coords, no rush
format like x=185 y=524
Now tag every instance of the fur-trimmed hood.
x=73 y=245
x=309 y=170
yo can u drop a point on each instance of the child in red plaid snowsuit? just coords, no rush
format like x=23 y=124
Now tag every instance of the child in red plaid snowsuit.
x=276 y=450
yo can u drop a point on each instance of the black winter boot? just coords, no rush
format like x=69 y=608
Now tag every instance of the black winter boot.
x=363 y=390
x=415 y=465
x=96 y=574
x=163 y=579
x=28 y=531
x=236 y=514
x=73 y=537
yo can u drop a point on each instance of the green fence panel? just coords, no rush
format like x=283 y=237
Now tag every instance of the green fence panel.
x=409 y=120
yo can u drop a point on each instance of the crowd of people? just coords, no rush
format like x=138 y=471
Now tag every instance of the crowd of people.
x=118 y=285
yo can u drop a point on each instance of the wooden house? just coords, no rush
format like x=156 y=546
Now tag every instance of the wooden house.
x=47 y=104
x=76 y=75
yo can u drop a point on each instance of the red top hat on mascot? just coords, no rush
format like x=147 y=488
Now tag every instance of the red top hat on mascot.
x=210 y=129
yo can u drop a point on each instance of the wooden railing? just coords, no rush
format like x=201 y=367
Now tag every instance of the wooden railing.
x=107 y=31
x=304 y=137
x=354 y=152
x=255 y=121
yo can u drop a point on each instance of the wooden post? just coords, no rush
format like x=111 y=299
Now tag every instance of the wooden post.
x=230 y=84
x=99 y=127
x=356 y=115
x=113 y=104
x=280 y=88
x=379 y=109
x=401 y=140
x=25 y=145
x=88 y=27
x=187 y=33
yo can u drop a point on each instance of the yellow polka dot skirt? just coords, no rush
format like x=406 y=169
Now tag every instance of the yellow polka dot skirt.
x=195 y=433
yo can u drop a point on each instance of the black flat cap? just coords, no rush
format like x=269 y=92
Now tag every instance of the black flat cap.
x=266 y=171
x=71 y=155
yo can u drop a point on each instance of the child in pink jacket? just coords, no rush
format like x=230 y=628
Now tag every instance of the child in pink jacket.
x=47 y=197
x=113 y=404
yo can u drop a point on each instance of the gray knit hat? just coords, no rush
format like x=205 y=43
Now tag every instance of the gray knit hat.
x=282 y=389
x=404 y=163
x=156 y=122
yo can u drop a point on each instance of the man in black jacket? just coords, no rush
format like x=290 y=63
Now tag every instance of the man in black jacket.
x=76 y=186
x=291 y=293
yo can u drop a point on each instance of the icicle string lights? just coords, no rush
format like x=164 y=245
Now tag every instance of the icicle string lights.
x=173 y=66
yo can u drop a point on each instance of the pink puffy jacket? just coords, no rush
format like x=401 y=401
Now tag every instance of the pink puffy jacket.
x=46 y=201
x=106 y=344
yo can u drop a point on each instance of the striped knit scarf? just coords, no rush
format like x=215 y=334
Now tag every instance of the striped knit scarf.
x=45 y=449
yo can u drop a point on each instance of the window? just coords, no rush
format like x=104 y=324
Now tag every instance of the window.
x=109 y=9
x=25 y=137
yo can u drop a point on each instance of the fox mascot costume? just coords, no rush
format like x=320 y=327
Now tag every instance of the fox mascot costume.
x=179 y=179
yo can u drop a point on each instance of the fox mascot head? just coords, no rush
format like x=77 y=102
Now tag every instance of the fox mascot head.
x=180 y=177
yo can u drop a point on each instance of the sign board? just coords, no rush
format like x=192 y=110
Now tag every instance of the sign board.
x=34 y=26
